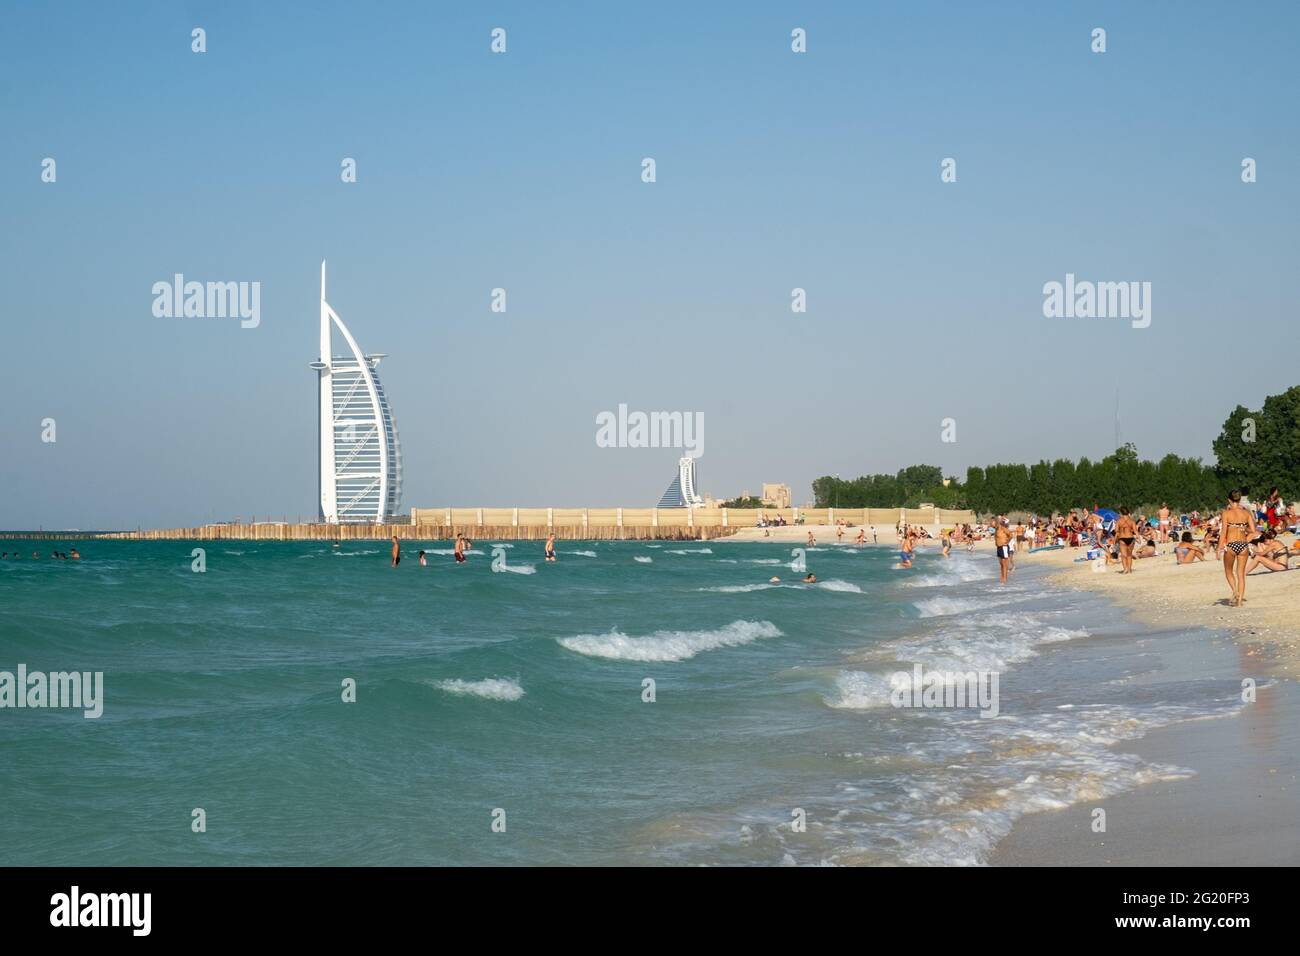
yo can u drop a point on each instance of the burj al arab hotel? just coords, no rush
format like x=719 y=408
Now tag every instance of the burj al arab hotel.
x=360 y=457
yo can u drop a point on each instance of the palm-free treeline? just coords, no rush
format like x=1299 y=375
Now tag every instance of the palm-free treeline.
x=1256 y=450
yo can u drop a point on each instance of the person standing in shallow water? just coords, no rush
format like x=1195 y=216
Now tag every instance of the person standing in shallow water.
x=1002 y=541
x=1237 y=527
x=905 y=554
x=550 y=547
x=397 y=552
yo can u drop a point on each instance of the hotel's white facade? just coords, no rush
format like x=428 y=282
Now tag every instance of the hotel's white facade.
x=360 y=457
x=681 y=491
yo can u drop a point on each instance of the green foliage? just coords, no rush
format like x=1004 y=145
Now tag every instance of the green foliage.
x=1044 y=488
x=1118 y=479
x=750 y=502
x=914 y=483
x=1260 y=449
x=1256 y=451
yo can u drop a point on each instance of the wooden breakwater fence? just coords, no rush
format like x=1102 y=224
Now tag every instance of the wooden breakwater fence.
x=571 y=524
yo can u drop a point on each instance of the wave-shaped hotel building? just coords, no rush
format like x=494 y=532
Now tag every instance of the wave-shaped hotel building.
x=681 y=491
x=360 y=456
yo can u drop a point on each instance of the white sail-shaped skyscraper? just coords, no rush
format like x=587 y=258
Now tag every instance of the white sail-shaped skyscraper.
x=360 y=457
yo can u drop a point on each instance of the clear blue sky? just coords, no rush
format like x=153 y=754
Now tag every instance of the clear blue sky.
x=522 y=170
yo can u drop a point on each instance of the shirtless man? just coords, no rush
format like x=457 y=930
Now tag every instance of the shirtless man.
x=459 y=551
x=905 y=554
x=550 y=548
x=812 y=542
x=1002 y=540
x=397 y=552
x=1126 y=534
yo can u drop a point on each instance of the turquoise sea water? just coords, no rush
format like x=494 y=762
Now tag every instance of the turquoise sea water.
x=523 y=691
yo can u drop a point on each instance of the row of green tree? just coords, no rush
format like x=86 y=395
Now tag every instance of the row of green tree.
x=1118 y=479
x=880 y=491
x=1256 y=450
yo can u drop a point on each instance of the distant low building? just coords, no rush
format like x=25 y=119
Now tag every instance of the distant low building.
x=776 y=496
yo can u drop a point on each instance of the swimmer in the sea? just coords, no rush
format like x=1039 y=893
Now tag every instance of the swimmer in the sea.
x=423 y=561
x=397 y=552
x=550 y=548
x=810 y=578
x=905 y=555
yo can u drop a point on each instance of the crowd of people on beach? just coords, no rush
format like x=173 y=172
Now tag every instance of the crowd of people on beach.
x=1244 y=535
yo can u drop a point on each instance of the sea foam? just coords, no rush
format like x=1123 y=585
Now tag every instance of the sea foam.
x=668 y=646
x=491 y=688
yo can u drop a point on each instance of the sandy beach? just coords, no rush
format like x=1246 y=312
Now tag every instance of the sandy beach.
x=1241 y=803
x=1165 y=594
x=1160 y=592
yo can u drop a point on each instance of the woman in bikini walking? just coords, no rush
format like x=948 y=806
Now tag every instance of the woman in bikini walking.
x=1238 y=527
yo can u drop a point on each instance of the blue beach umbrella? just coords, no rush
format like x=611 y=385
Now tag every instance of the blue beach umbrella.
x=1108 y=518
